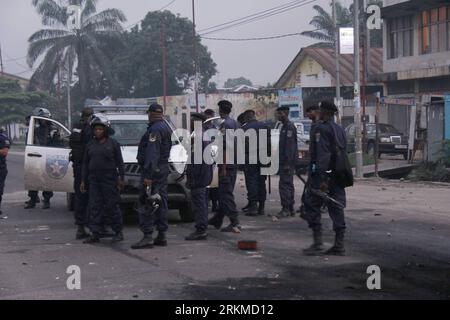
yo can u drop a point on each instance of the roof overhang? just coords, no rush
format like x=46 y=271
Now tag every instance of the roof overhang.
x=410 y=7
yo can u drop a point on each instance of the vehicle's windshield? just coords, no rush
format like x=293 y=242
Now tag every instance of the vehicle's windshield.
x=389 y=129
x=130 y=132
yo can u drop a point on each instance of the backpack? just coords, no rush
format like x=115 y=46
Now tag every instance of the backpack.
x=342 y=169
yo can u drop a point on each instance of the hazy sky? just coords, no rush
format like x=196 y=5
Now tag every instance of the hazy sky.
x=260 y=61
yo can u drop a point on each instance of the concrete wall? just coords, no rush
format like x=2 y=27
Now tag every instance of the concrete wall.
x=310 y=74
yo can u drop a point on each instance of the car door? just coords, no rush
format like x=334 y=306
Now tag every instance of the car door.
x=47 y=165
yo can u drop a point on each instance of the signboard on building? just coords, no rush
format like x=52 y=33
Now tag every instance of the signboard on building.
x=293 y=98
x=346 y=41
x=447 y=117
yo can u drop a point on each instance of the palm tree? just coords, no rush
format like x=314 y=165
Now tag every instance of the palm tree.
x=325 y=26
x=85 y=49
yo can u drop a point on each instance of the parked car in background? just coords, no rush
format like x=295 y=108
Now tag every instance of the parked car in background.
x=391 y=140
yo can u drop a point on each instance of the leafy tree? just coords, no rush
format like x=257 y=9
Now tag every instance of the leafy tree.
x=87 y=48
x=138 y=66
x=231 y=83
x=16 y=104
x=325 y=32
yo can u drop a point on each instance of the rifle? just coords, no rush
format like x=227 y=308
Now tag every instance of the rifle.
x=325 y=196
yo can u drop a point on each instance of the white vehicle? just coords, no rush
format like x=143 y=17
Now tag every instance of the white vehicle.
x=49 y=168
x=303 y=129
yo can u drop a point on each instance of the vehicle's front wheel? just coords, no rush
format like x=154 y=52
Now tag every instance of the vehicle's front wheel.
x=70 y=201
x=186 y=213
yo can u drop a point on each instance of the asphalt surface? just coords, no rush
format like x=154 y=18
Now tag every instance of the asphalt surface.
x=402 y=227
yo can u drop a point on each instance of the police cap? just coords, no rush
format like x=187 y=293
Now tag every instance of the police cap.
x=328 y=106
x=156 y=108
x=225 y=106
x=283 y=108
x=198 y=116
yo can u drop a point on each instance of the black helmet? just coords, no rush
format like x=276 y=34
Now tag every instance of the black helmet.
x=41 y=112
x=100 y=119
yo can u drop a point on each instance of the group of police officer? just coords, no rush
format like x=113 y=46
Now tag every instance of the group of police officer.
x=99 y=176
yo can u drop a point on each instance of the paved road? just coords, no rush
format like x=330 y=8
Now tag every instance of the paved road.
x=401 y=227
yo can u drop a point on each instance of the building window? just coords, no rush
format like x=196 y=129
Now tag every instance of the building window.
x=400 y=30
x=435 y=30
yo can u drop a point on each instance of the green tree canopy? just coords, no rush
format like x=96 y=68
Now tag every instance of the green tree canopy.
x=234 y=82
x=16 y=104
x=138 y=66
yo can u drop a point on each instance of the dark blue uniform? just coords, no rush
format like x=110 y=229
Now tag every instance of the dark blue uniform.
x=288 y=155
x=255 y=182
x=80 y=137
x=199 y=176
x=4 y=143
x=102 y=167
x=326 y=136
x=227 y=180
x=156 y=168
x=42 y=137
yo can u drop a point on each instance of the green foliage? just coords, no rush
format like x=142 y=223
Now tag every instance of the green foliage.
x=231 y=83
x=16 y=104
x=138 y=65
x=435 y=171
x=87 y=48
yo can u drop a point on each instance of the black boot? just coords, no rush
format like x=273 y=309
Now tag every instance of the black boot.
x=145 y=243
x=105 y=233
x=232 y=227
x=81 y=233
x=252 y=210
x=31 y=204
x=37 y=200
x=161 y=239
x=261 y=208
x=317 y=246
x=285 y=212
x=338 y=248
x=197 y=236
x=215 y=206
x=93 y=238
x=46 y=204
x=245 y=209
x=216 y=221
x=118 y=237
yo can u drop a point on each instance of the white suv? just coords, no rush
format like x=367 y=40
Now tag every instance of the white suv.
x=49 y=168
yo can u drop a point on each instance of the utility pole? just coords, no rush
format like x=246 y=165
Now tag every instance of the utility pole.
x=194 y=42
x=338 y=67
x=164 y=60
x=357 y=99
x=377 y=134
x=69 y=102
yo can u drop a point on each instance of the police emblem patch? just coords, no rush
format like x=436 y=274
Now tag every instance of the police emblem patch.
x=289 y=134
x=152 y=138
x=56 y=166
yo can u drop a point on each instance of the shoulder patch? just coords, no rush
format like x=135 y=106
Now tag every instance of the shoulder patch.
x=152 y=137
x=317 y=137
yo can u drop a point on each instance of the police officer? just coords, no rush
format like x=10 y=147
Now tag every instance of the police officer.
x=42 y=137
x=199 y=176
x=154 y=174
x=227 y=175
x=5 y=144
x=256 y=183
x=288 y=155
x=81 y=135
x=328 y=135
x=103 y=174
x=213 y=193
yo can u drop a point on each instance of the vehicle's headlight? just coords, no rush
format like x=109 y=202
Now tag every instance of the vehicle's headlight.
x=385 y=140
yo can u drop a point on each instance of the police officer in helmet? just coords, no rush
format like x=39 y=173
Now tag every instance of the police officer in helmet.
x=103 y=176
x=81 y=135
x=42 y=137
x=154 y=176
x=327 y=137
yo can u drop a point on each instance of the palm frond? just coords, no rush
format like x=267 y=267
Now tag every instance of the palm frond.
x=90 y=7
x=116 y=14
x=37 y=48
x=44 y=75
x=104 y=25
x=48 y=34
x=317 y=35
x=52 y=13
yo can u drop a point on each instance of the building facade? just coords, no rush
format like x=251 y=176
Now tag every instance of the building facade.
x=416 y=67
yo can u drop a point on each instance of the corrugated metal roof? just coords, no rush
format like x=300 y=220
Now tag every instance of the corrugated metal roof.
x=326 y=58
